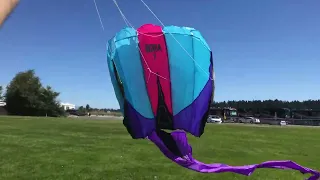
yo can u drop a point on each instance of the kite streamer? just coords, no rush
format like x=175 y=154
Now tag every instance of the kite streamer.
x=181 y=153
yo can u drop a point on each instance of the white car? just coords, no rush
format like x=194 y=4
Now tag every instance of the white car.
x=283 y=123
x=251 y=120
x=214 y=119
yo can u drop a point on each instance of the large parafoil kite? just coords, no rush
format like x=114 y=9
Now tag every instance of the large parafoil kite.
x=163 y=79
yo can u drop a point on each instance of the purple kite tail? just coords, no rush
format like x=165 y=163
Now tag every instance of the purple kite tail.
x=175 y=146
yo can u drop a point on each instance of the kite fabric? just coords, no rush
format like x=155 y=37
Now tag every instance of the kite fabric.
x=163 y=79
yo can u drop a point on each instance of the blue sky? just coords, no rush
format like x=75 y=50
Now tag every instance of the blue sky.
x=262 y=49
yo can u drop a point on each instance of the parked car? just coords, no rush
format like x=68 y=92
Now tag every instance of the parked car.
x=214 y=119
x=75 y=112
x=283 y=123
x=251 y=120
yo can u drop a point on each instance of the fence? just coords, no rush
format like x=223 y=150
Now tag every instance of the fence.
x=291 y=121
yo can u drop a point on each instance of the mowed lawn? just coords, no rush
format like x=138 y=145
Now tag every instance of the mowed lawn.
x=56 y=149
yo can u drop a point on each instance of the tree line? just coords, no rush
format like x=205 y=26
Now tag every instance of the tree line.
x=1 y=93
x=25 y=95
x=88 y=108
x=270 y=104
x=253 y=105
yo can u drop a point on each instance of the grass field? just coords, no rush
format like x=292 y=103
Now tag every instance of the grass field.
x=56 y=149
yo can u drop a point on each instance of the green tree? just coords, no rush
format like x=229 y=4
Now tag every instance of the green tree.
x=49 y=104
x=26 y=96
x=1 y=93
x=88 y=107
x=81 y=109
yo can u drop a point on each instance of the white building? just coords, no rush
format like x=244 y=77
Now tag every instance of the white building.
x=67 y=106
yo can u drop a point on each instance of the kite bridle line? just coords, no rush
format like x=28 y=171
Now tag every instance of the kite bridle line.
x=107 y=44
x=127 y=22
x=130 y=25
x=95 y=4
x=176 y=40
x=213 y=72
x=149 y=69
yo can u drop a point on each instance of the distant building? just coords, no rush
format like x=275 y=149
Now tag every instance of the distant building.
x=67 y=106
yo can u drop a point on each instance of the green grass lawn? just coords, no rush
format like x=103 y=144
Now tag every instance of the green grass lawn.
x=56 y=149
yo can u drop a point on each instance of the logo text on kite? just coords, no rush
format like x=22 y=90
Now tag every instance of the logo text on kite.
x=153 y=48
